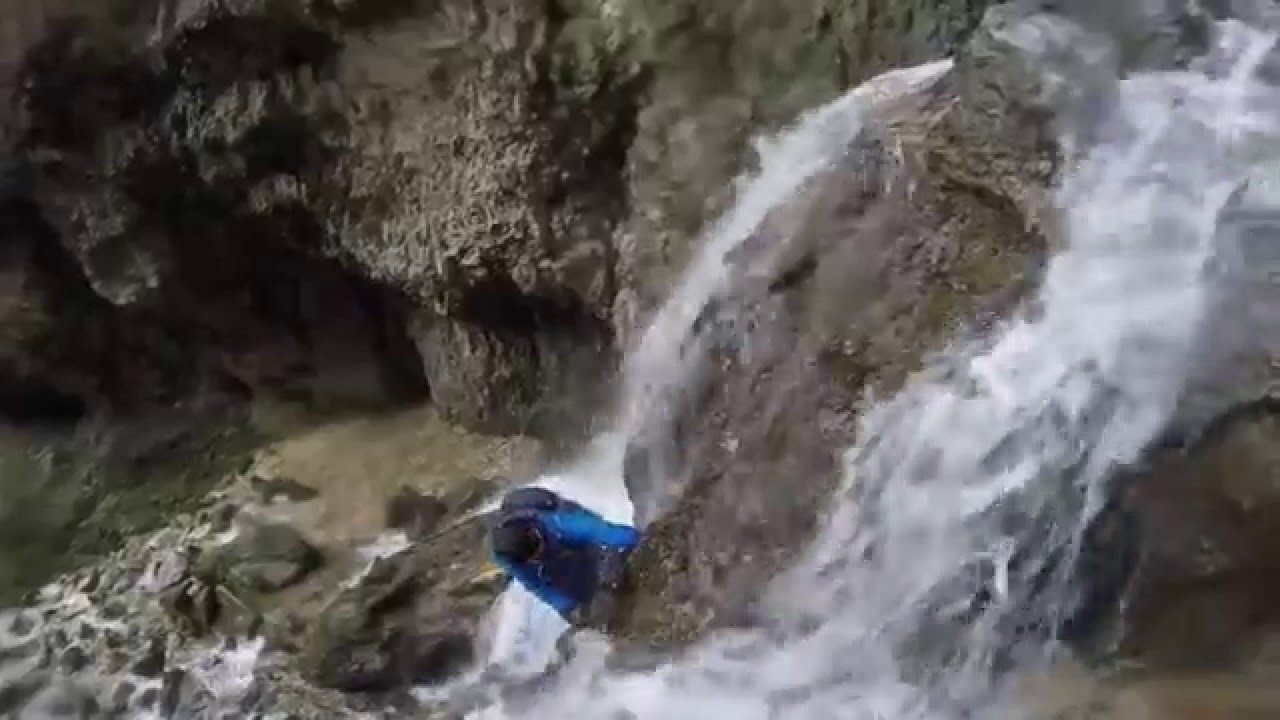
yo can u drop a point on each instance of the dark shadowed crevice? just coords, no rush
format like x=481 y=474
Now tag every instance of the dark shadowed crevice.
x=402 y=372
x=365 y=14
x=226 y=47
x=1188 y=441
x=498 y=304
x=58 y=368
x=76 y=85
x=35 y=401
x=82 y=80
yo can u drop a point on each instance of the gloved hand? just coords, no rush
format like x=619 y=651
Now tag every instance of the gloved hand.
x=595 y=614
x=610 y=567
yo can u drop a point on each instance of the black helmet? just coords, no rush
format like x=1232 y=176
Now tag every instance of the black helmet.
x=517 y=540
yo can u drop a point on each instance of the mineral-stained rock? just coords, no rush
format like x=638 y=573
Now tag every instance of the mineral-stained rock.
x=99 y=484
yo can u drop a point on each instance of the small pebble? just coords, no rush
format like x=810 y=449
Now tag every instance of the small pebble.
x=59 y=639
x=22 y=625
x=21 y=651
x=223 y=517
x=148 y=699
x=115 y=661
x=121 y=696
x=73 y=660
x=114 y=610
x=152 y=663
x=114 y=639
x=173 y=683
x=46 y=658
x=90 y=582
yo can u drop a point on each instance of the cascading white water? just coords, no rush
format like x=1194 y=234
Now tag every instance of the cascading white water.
x=669 y=353
x=947 y=559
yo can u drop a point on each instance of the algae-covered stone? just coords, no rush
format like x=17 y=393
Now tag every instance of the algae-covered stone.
x=72 y=496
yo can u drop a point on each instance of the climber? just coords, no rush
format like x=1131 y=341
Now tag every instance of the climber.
x=567 y=556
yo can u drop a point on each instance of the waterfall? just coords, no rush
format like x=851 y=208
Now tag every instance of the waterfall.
x=668 y=355
x=945 y=565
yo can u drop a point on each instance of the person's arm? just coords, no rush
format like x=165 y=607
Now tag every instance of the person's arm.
x=582 y=527
x=559 y=601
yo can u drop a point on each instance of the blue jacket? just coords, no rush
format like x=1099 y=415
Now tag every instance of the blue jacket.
x=577 y=544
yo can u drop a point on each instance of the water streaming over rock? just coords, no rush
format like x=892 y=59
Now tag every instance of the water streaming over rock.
x=947 y=562
x=670 y=353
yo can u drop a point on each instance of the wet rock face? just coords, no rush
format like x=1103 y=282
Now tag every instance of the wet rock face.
x=1204 y=595
x=417 y=515
x=240 y=183
x=488 y=213
x=412 y=619
x=264 y=558
x=914 y=238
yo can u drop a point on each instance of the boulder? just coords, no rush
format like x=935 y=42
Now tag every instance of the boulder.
x=416 y=514
x=377 y=637
x=262 y=558
x=412 y=618
x=914 y=238
x=1204 y=594
x=483 y=201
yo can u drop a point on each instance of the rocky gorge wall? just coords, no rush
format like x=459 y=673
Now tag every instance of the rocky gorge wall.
x=466 y=200
x=361 y=205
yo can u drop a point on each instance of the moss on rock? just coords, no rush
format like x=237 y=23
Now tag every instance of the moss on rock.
x=68 y=499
